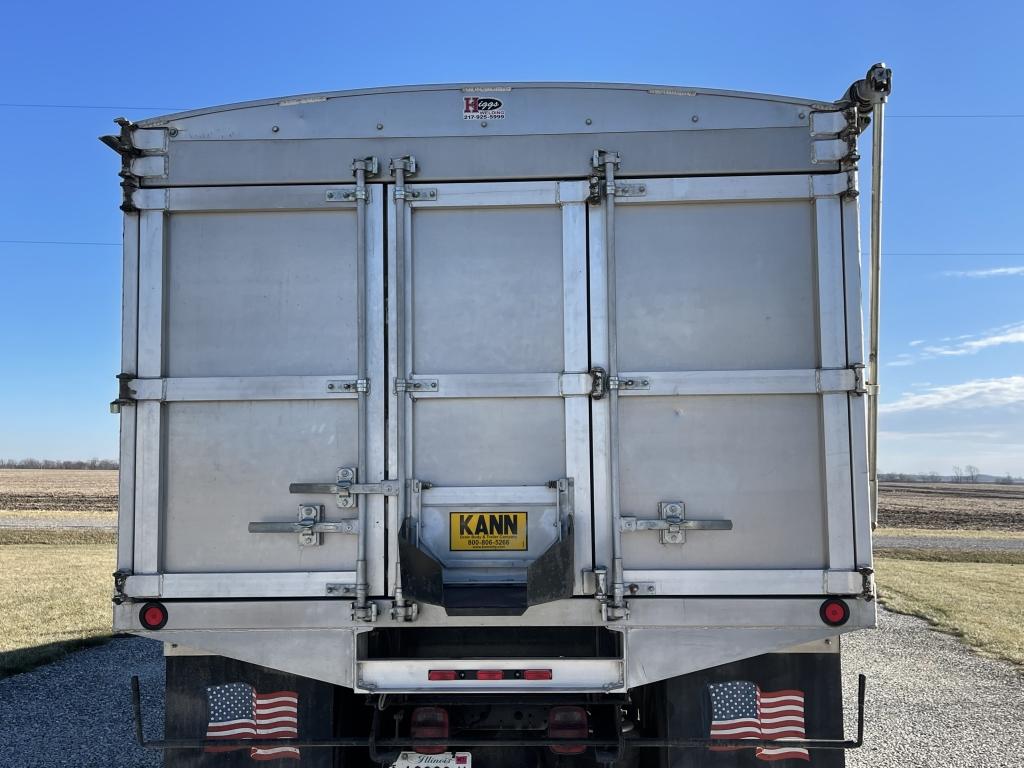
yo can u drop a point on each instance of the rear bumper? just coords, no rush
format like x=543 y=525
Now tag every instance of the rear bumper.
x=662 y=638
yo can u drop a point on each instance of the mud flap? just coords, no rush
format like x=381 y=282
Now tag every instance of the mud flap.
x=186 y=715
x=686 y=707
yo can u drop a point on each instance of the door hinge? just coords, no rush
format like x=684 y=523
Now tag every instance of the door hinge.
x=125 y=394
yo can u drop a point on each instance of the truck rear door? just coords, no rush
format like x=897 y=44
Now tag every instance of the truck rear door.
x=726 y=437
x=247 y=385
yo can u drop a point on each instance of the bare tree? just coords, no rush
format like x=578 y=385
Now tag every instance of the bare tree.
x=931 y=477
x=972 y=473
x=958 y=474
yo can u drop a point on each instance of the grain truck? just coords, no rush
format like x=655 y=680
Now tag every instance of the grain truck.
x=500 y=424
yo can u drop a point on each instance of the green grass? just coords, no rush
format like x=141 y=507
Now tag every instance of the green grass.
x=57 y=537
x=54 y=597
x=982 y=603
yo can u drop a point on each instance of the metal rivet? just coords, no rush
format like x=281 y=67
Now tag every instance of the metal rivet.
x=275 y=129
x=380 y=126
x=645 y=382
x=483 y=123
x=802 y=115
x=694 y=119
x=173 y=132
x=330 y=386
x=589 y=121
x=417 y=385
x=650 y=588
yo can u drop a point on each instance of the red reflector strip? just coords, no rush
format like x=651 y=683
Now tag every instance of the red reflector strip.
x=490 y=674
x=442 y=674
x=537 y=674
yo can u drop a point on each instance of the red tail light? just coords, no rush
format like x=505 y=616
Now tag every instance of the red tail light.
x=568 y=723
x=429 y=723
x=153 y=615
x=834 y=612
x=537 y=674
x=490 y=674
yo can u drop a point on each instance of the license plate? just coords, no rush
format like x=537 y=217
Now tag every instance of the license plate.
x=487 y=531
x=443 y=760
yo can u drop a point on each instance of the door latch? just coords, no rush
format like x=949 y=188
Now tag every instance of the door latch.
x=673 y=524
x=346 y=488
x=310 y=526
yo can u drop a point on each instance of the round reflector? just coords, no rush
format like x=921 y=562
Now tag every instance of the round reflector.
x=153 y=616
x=834 y=612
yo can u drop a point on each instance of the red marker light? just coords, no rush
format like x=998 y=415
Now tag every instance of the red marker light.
x=429 y=723
x=442 y=674
x=537 y=674
x=153 y=616
x=568 y=723
x=834 y=612
x=490 y=674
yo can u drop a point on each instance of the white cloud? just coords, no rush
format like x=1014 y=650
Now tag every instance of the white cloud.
x=917 y=342
x=977 y=393
x=994 y=272
x=1007 y=334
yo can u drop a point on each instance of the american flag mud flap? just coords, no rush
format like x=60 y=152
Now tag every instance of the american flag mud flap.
x=216 y=698
x=776 y=696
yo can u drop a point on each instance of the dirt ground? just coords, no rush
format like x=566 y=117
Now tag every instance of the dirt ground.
x=59 y=496
x=58 y=490
x=981 y=506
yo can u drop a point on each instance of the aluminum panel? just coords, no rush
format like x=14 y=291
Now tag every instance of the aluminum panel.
x=231 y=463
x=491 y=442
x=487 y=290
x=755 y=460
x=707 y=286
x=261 y=293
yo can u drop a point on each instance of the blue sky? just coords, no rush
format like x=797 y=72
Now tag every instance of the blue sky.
x=953 y=318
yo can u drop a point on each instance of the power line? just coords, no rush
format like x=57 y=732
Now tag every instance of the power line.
x=956 y=117
x=53 y=242
x=83 y=106
x=947 y=253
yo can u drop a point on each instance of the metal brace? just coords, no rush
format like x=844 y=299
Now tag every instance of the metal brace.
x=415 y=385
x=310 y=526
x=346 y=488
x=673 y=523
x=616 y=382
x=624 y=189
x=336 y=386
x=347 y=195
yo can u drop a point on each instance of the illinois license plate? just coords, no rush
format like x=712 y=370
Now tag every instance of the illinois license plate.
x=487 y=531
x=443 y=760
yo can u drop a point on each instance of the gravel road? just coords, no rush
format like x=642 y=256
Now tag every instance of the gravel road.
x=77 y=711
x=931 y=703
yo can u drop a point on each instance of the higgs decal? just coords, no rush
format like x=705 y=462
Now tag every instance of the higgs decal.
x=482 y=108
